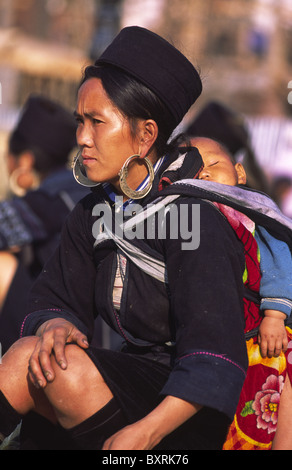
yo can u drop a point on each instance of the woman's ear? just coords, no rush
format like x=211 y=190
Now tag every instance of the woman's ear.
x=241 y=174
x=148 y=136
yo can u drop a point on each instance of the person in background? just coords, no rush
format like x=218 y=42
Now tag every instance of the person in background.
x=218 y=121
x=43 y=192
x=282 y=193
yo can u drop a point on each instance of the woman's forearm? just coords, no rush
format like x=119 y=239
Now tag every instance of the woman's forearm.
x=171 y=413
x=145 y=434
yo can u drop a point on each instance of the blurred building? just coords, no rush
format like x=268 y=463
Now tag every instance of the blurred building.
x=243 y=48
x=43 y=49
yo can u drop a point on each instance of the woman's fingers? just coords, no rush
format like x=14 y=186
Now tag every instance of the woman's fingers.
x=79 y=338
x=35 y=371
x=63 y=337
x=60 y=338
x=53 y=340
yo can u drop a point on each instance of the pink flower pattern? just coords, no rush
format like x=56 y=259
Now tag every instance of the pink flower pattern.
x=266 y=403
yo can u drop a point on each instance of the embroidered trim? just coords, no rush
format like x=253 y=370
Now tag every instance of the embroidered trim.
x=22 y=325
x=26 y=317
x=219 y=356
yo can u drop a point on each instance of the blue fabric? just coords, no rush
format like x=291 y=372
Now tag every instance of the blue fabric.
x=206 y=371
x=276 y=270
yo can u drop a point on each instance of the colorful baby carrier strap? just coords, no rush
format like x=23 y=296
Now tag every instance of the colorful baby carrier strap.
x=244 y=229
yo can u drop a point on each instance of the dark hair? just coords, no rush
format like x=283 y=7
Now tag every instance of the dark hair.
x=134 y=100
x=223 y=147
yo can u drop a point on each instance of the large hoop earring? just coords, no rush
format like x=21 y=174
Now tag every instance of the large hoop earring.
x=123 y=174
x=79 y=173
x=16 y=188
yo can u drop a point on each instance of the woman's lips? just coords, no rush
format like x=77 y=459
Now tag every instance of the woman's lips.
x=86 y=160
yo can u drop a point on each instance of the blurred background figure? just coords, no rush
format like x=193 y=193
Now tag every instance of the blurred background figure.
x=221 y=123
x=42 y=193
x=281 y=188
x=282 y=193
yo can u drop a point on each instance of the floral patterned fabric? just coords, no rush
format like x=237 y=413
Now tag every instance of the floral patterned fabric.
x=255 y=421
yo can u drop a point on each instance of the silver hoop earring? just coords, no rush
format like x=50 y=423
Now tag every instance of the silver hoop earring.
x=16 y=188
x=123 y=174
x=79 y=173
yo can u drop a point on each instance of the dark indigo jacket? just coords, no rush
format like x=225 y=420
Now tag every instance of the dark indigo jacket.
x=200 y=309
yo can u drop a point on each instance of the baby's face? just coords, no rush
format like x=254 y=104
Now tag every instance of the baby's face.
x=218 y=166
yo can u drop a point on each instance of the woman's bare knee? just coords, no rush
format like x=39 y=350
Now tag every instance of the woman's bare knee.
x=78 y=391
x=18 y=354
x=14 y=374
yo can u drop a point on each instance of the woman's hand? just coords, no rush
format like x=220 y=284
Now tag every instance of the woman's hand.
x=132 y=437
x=150 y=430
x=53 y=336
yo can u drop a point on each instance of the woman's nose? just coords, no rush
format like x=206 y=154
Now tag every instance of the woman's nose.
x=84 y=136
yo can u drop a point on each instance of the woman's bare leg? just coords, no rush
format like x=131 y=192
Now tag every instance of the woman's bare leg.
x=283 y=437
x=15 y=384
x=77 y=392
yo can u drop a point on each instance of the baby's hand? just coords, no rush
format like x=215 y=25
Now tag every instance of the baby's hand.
x=272 y=335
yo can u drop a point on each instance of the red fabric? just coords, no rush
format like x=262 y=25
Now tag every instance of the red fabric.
x=237 y=220
x=255 y=421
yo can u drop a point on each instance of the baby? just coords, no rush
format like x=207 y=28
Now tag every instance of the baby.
x=220 y=167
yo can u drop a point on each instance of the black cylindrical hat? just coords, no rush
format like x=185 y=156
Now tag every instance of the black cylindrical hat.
x=221 y=123
x=47 y=125
x=158 y=65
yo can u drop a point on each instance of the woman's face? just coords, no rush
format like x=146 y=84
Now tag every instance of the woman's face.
x=103 y=134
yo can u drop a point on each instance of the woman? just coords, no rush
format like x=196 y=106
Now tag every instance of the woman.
x=176 y=383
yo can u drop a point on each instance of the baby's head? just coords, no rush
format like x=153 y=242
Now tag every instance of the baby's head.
x=219 y=165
